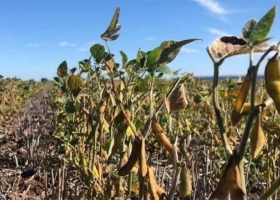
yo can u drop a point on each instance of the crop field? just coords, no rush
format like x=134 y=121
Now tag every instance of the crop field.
x=135 y=129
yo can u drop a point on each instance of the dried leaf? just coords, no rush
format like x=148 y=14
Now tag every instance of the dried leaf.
x=167 y=105
x=152 y=184
x=110 y=65
x=133 y=157
x=227 y=46
x=143 y=159
x=74 y=84
x=230 y=183
x=257 y=137
x=178 y=100
x=62 y=69
x=236 y=112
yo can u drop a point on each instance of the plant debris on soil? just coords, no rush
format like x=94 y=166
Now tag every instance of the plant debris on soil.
x=30 y=163
x=32 y=166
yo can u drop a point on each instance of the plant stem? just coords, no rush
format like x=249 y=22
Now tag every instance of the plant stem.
x=176 y=172
x=118 y=100
x=272 y=48
x=216 y=104
x=151 y=95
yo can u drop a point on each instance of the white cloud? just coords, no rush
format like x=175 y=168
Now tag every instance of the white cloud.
x=217 y=32
x=32 y=45
x=189 y=50
x=212 y=5
x=66 y=44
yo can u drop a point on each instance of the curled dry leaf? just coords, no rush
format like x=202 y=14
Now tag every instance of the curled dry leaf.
x=257 y=137
x=74 y=83
x=143 y=159
x=102 y=106
x=62 y=69
x=161 y=136
x=230 y=183
x=134 y=169
x=227 y=46
x=109 y=63
x=177 y=100
x=239 y=102
x=124 y=170
x=152 y=184
x=167 y=105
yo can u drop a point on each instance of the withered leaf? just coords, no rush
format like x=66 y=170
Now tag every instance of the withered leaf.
x=228 y=46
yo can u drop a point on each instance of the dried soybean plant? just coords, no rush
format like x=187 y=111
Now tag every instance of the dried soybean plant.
x=101 y=127
x=254 y=39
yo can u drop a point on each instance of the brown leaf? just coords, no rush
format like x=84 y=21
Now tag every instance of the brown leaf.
x=230 y=183
x=178 y=98
x=62 y=69
x=227 y=46
x=167 y=105
x=74 y=84
x=257 y=137
x=240 y=100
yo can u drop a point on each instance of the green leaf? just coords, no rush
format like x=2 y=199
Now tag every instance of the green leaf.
x=170 y=49
x=141 y=58
x=262 y=40
x=263 y=27
x=84 y=65
x=153 y=58
x=142 y=85
x=124 y=58
x=164 y=69
x=248 y=28
x=98 y=52
x=73 y=70
x=131 y=62
x=113 y=27
x=56 y=79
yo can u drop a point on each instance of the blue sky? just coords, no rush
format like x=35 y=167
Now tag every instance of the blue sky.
x=37 y=35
